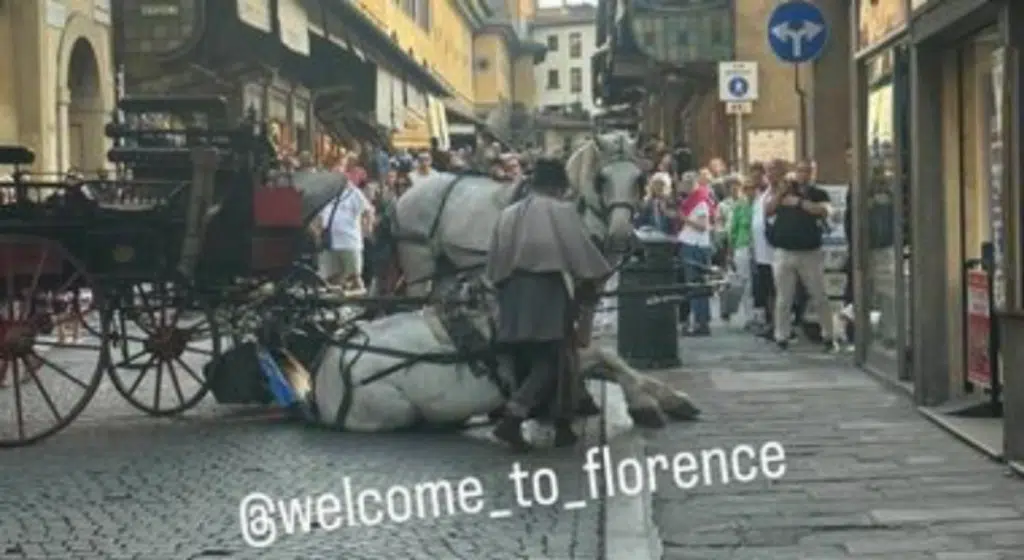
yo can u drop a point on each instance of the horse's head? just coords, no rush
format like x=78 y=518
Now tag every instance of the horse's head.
x=611 y=186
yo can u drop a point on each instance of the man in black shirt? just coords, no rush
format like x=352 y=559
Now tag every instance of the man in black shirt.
x=800 y=210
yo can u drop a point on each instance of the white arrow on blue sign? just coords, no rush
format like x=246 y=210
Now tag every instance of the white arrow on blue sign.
x=797 y=31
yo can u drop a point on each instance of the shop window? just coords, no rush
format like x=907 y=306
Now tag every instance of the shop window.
x=883 y=182
x=300 y=115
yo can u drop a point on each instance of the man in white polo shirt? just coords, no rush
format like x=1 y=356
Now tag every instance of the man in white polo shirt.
x=343 y=224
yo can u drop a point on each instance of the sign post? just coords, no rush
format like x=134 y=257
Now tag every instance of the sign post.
x=738 y=89
x=798 y=33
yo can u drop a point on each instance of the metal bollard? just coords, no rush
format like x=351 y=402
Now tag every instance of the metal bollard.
x=648 y=335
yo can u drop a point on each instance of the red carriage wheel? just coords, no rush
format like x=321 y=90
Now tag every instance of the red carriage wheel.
x=50 y=364
x=161 y=336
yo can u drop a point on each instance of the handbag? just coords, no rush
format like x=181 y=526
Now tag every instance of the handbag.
x=326 y=233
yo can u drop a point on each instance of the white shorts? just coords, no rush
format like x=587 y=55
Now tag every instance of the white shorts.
x=342 y=263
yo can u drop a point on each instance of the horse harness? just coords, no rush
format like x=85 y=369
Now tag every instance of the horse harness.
x=473 y=348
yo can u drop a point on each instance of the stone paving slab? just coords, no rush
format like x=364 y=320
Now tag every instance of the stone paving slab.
x=117 y=484
x=866 y=475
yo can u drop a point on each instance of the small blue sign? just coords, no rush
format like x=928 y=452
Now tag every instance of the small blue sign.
x=797 y=31
x=738 y=86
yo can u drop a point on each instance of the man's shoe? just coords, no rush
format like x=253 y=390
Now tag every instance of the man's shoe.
x=700 y=331
x=831 y=346
x=510 y=431
x=782 y=344
x=564 y=434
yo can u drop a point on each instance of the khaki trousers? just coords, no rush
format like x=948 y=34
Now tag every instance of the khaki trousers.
x=809 y=268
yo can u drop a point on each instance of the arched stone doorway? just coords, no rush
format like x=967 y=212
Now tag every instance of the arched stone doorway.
x=85 y=109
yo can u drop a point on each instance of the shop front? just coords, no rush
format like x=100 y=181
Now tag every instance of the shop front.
x=882 y=246
x=965 y=213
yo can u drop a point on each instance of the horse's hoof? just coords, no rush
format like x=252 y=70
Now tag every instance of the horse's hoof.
x=681 y=409
x=648 y=417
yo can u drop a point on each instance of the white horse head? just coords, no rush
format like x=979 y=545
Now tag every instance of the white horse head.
x=607 y=175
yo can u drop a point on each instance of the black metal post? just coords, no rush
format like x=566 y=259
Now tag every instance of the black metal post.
x=988 y=264
x=802 y=96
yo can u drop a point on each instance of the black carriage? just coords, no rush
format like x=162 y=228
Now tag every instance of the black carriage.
x=195 y=232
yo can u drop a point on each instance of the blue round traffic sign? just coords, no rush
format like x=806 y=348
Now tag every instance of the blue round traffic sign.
x=797 y=31
x=738 y=86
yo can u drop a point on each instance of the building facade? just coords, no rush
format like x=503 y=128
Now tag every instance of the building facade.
x=938 y=210
x=59 y=90
x=565 y=97
x=670 y=53
x=504 y=57
x=570 y=34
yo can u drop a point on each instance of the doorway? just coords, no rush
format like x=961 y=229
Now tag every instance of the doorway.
x=85 y=110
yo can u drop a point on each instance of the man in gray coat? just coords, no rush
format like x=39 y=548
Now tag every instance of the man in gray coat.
x=547 y=273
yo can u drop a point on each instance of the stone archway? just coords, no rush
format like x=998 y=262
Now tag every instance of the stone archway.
x=85 y=108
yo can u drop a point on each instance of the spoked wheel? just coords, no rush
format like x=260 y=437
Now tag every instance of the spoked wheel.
x=160 y=335
x=50 y=363
x=284 y=299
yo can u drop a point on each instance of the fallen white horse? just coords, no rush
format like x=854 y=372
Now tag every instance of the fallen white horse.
x=351 y=393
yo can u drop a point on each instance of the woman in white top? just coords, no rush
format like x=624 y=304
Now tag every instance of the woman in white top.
x=696 y=215
x=763 y=252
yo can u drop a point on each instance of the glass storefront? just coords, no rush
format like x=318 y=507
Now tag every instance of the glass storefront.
x=885 y=187
x=980 y=193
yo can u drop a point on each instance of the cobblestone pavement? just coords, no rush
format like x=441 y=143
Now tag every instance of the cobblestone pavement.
x=867 y=476
x=118 y=484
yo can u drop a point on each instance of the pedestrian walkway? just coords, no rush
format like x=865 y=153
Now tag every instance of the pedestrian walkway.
x=866 y=475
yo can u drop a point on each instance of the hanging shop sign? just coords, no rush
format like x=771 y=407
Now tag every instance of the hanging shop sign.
x=294 y=26
x=256 y=14
x=979 y=324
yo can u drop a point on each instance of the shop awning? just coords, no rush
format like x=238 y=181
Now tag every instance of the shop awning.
x=459 y=113
x=380 y=47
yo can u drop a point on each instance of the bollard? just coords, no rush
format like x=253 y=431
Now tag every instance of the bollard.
x=648 y=335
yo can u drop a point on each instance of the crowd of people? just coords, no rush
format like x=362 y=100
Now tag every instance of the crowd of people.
x=353 y=229
x=763 y=229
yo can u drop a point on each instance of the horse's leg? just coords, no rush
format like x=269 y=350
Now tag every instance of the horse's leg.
x=643 y=408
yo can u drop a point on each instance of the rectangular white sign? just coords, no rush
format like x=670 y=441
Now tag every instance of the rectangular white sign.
x=737 y=81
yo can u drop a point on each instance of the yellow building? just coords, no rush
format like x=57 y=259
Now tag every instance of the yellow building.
x=503 y=68
x=477 y=48
x=59 y=89
x=439 y=35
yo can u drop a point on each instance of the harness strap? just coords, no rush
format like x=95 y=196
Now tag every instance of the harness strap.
x=429 y=238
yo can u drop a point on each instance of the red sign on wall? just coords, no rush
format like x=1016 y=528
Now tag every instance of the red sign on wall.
x=979 y=325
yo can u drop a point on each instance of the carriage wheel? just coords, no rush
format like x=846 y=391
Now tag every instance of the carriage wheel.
x=50 y=364
x=292 y=296
x=161 y=335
